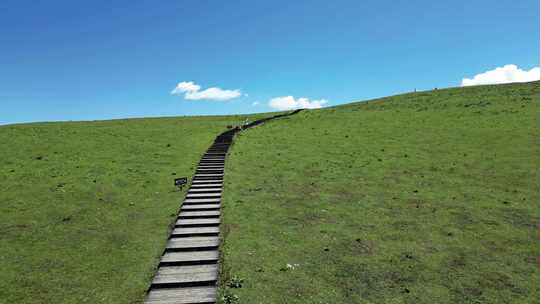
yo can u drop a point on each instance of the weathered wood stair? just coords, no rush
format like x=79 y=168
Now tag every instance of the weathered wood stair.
x=188 y=269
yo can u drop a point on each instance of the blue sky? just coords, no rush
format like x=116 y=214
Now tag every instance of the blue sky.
x=83 y=60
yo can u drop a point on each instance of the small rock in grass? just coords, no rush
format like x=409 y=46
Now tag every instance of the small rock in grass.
x=39 y=157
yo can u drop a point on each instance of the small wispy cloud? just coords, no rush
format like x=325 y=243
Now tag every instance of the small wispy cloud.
x=506 y=74
x=193 y=91
x=290 y=103
x=255 y=103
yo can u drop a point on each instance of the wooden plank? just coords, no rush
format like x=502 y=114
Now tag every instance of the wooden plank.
x=186 y=274
x=207 y=221
x=206 y=185
x=209 y=169
x=194 y=230
x=220 y=168
x=187 y=295
x=201 y=207
x=208 y=175
x=201 y=200
x=207 y=181
x=209 y=189
x=193 y=242
x=195 y=195
x=190 y=256
x=199 y=213
x=199 y=178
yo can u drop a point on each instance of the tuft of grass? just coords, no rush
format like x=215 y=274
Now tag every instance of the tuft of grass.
x=431 y=197
x=85 y=207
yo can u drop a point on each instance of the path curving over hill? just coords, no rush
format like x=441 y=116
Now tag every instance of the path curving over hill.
x=188 y=269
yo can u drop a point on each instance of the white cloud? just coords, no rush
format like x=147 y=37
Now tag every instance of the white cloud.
x=256 y=103
x=506 y=74
x=193 y=91
x=289 y=103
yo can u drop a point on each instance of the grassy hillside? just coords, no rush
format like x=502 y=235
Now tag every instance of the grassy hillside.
x=85 y=207
x=430 y=197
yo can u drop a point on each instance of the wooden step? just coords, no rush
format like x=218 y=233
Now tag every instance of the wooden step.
x=195 y=231
x=202 y=200
x=193 y=242
x=206 y=185
x=209 y=169
x=187 y=295
x=208 y=175
x=207 y=181
x=195 y=195
x=201 y=207
x=177 y=275
x=190 y=256
x=198 y=214
x=209 y=221
x=208 y=178
x=209 y=189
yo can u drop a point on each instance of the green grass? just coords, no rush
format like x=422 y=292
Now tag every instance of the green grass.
x=431 y=197
x=85 y=207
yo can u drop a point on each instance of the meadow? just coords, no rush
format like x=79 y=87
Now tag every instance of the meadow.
x=428 y=197
x=86 y=207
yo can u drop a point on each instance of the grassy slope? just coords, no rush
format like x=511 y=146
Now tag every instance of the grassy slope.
x=85 y=207
x=429 y=197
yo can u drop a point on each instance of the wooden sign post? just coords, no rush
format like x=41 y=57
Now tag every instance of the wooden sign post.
x=180 y=182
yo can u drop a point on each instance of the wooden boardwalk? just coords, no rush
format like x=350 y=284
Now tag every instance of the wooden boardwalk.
x=188 y=269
